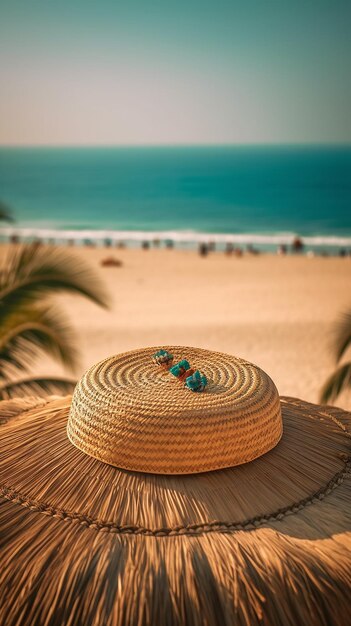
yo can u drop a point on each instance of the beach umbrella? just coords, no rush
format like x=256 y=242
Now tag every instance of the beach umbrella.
x=141 y=502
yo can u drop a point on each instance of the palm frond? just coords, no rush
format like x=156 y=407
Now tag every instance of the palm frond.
x=33 y=271
x=5 y=212
x=339 y=381
x=28 y=326
x=38 y=387
x=342 y=335
x=28 y=331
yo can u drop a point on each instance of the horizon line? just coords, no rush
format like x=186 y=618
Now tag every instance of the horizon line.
x=183 y=145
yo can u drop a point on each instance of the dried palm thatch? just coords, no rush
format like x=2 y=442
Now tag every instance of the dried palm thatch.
x=83 y=542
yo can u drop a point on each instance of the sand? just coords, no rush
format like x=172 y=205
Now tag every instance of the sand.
x=277 y=312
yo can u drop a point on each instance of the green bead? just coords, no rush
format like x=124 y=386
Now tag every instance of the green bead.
x=162 y=356
x=196 y=382
x=179 y=369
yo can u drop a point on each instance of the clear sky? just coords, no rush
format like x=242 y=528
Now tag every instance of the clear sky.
x=174 y=71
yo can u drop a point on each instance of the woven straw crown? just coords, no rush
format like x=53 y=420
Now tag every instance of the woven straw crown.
x=133 y=414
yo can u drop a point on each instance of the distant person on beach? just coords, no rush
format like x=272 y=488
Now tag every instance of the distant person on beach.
x=297 y=245
x=203 y=249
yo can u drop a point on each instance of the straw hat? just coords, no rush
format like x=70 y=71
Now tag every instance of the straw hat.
x=233 y=506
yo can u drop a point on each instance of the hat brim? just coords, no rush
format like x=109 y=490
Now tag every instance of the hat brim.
x=97 y=535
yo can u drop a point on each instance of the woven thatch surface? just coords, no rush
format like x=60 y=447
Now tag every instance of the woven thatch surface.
x=84 y=543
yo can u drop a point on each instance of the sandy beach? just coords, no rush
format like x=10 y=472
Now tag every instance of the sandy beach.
x=277 y=312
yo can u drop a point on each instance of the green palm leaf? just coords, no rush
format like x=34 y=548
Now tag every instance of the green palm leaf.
x=342 y=335
x=28 y=331
x=339 y=381
x=29 y=326
x=33 y=271
x=37 y=387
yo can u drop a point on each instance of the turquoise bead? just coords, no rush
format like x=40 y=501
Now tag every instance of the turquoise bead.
x=179 y=369
x=196 y=382
x=162 y=356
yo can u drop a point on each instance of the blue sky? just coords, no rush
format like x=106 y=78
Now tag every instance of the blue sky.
x=161 y=72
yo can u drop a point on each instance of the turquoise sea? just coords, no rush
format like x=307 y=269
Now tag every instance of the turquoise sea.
x=237 y=190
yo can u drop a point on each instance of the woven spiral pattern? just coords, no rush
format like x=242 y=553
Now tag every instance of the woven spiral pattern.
x=133 y=414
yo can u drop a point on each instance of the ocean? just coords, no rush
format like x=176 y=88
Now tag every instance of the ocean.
x=243 y=191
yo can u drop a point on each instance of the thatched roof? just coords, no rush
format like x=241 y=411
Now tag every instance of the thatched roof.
x=82 y=542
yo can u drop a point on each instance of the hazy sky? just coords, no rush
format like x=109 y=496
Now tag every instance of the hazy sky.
x=181 y=71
